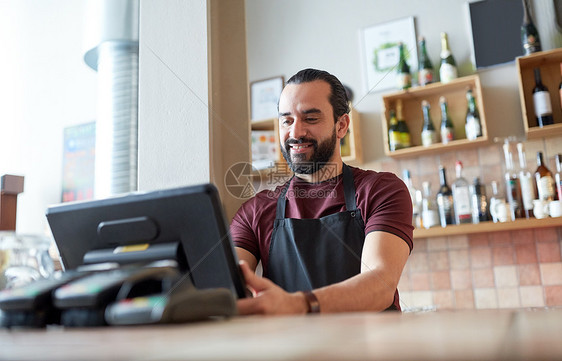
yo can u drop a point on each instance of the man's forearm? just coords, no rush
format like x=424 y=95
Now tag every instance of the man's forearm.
x=368 y=291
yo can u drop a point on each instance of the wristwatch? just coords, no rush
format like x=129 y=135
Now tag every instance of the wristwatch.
x=312 y=301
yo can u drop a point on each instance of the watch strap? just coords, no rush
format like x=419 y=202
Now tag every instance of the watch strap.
x=312 y=301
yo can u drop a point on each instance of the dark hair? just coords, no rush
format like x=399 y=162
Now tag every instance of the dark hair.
x=338 y=96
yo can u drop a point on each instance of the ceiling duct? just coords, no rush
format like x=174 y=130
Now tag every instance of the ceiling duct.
x=112 y=50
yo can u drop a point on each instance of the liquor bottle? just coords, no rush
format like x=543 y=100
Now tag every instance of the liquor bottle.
x=546 y=189
x=402 y=126
x=446 y=123
x=394 y=142
x=479 y=202
x=495 y=199
x=430 y=215
x=526 y=181
x=529 y=34
x=541 y=101
x=445 y=200
x=448 y=67
x=558 y=176
x=461 y=197
x=512 y=185
x=428 y=134
x=403 y=72
x=472 y=126
x=425 y=68
x=416 y=199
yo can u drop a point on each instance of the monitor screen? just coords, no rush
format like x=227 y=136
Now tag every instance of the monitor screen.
x=186 y=224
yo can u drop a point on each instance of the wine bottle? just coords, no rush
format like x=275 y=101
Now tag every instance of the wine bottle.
x=393 y=133
x=512 y=184
x=461 y=197
x=425 y=68
x=402 y=127
x=446 y=123
x=403 y=72
x=416 y=199
x=560 y=86
x=448 y=67
x=445 y=200
x=472 y=126
x=541 y=101
x=428 y=134
x=546 y=189
x=526 y=181
x=494 y=199
x=558 y=176
x=479 y=202
x=430 y=215
x=529 y=34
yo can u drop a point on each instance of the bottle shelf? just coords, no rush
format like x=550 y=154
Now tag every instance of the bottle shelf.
x=486 y=227
x=549 y=64
x=455 y=93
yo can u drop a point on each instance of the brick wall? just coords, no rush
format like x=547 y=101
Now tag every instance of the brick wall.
x=493 y=270
x=490 y=270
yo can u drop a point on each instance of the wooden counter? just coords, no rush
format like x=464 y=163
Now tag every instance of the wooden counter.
x=443 y=335
x=486 y=227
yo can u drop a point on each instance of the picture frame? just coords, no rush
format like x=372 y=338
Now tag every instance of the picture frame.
x=380 y=52
x=264 y=97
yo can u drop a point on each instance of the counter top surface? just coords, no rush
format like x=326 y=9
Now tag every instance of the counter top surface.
x=441 y=335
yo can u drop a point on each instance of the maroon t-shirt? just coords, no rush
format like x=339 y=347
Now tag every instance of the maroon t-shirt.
x=382 y=197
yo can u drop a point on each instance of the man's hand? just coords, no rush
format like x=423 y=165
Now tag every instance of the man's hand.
x=269 y=299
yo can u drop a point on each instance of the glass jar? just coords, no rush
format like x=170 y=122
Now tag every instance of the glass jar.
x=23 y=259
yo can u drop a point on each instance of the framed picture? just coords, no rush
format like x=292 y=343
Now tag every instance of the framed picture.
x=264 y=96
x=381 y=55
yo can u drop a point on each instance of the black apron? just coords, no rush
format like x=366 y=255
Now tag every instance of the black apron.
x=305 y=254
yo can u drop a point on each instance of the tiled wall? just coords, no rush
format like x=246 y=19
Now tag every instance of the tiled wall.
x=489 y=270
x=492 y=270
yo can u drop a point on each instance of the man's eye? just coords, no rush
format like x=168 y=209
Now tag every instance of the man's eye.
x=310 y=119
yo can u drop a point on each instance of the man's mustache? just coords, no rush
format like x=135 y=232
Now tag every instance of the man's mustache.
x=300 y=141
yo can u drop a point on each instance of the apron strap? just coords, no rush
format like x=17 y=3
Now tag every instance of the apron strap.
x=348 y=192
x=349 y=189
x=281 y=201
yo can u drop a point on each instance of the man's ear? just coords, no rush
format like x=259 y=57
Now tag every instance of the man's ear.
x=342 y=125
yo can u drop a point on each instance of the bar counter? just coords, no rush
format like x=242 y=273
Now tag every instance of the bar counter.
x=443 y=335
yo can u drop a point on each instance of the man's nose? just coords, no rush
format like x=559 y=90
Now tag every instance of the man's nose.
x=298 y=129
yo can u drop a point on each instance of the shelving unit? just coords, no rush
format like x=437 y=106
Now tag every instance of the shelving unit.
x=549 y=64
x=455 y=92
x=486 y=227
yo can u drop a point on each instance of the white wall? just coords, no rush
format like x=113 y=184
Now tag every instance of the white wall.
x=286 y=36
x=173 y=94
x=44 y=86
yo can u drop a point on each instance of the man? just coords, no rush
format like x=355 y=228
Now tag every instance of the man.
x=334 y=238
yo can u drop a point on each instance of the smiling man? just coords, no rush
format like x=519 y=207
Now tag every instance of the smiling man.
x=334 y=238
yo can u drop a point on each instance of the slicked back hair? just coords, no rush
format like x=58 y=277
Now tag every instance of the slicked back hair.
x=338 y=96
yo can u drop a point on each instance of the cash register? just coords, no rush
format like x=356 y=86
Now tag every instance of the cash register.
x=154 y=257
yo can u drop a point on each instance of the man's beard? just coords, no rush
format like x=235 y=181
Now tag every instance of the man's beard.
x=321 y=155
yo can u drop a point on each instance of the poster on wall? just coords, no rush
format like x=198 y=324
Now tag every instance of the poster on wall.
x=78 y=162
x=381 y=55
x=264 y=96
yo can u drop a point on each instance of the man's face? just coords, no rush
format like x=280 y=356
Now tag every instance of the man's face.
x=307 y=130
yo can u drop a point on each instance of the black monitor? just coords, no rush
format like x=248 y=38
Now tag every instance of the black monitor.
x=186 y=224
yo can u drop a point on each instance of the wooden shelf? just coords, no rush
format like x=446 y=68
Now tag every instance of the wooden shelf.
x=549 y=64
x=455 y=92
x=544 y=132
x=486 y=227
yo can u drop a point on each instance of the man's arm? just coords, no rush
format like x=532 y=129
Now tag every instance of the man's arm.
x=383 y=259
x=247 y=257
